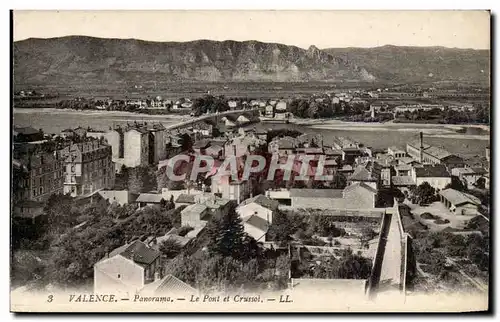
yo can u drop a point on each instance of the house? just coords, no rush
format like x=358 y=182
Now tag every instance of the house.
x=436 y=175
x=396 y=152
x=356 y=196
x=281 y=106
x=232 y=104
x=196 y=215
x=403 y=182
x=260 y=206
x=149 y=199
x=127 y=269
x=269 y=111
x=428 y=154
x=469 y=176
x=282 y=146
x=362 y=174
x=360 y=195
x=27 y=134
x=403 y=169
x=460 y=203
x=218 y=206
x=29 y=210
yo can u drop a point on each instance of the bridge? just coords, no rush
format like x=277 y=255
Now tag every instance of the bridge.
x=206 y=117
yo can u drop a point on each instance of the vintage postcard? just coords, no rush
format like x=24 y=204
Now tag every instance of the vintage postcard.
x=250 y=161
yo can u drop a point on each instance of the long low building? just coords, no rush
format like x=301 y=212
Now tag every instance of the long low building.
x=358 y=195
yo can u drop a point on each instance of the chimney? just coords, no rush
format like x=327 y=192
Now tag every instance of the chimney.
x=421 y=146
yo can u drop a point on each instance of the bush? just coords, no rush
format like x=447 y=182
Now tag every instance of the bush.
x=184 y=230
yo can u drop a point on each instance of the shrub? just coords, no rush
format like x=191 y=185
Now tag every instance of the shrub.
x=184 y=230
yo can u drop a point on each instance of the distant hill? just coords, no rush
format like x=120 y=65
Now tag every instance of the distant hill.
x=419 y=64
x=86 y=60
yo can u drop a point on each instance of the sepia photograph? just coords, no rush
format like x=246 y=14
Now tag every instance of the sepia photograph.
x=250 y=161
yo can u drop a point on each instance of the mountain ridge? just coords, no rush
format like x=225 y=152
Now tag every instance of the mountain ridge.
x=83 y=59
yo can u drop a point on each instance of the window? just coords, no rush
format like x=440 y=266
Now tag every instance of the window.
x=41 y=190
x=72 y=168
x=34 y=192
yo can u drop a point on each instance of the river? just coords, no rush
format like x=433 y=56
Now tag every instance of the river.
x=464 y=140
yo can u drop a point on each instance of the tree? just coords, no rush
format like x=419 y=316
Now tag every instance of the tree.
x=226 y=235
x=170 y=248
x=456 y=184
x=281 y=228
x=339 y=181
x=366 y=235
x=481 y=183
x=425 y=193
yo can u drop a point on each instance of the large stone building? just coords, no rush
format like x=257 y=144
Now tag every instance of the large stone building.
x=88 y=167
x=428 y=154
x=36 y=176
x=137 y=144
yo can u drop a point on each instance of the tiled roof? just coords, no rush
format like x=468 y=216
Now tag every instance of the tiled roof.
x=185 y=198
x=149 y=198
x=316 y=193
x=437 y=152
x=257 y=222
x=360 y=184
x=263 y=201
x=361 y=174
x=433 y=171
x=137 y=251
x=402 y=181
x=169 y=285
x=458 y=198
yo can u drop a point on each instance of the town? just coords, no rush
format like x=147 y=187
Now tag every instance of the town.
x=100 y=208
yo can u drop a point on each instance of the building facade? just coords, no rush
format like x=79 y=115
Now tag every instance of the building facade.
x=88 y=167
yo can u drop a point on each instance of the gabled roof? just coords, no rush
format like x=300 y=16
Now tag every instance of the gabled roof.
x=432 y=171
x=360 y=185
x=137 y=251
x=316 y=193
x=361 y=174
x=263 y=201
x=256 y=221
x=169 y=285
x=458 y=198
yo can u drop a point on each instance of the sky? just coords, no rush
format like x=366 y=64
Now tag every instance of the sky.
x=324 y=29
